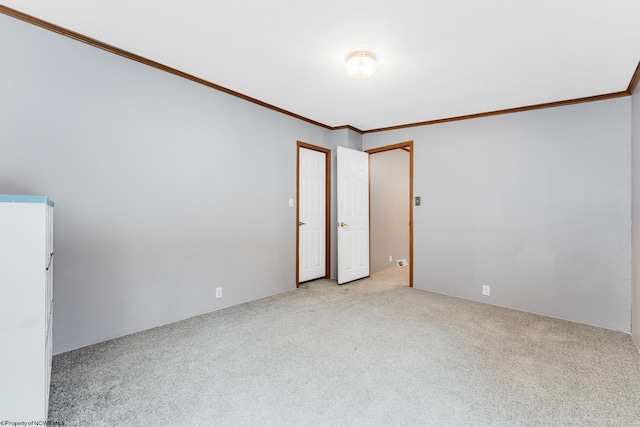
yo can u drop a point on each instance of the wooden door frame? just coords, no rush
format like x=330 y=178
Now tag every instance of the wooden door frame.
x=327 y=205
x=407 y=146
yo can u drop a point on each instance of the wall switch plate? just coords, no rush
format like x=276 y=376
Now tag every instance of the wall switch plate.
x=218 y=292
x=486 y=290
x=418 y=200
x=390 y=258
x=290 y=203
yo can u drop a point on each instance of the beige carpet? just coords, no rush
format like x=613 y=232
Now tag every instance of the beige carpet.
x=398 y=275
x=368 y=353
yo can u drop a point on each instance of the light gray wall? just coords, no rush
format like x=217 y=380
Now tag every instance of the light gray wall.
x=389 y=207
x=164 y=189
x=535 y=204
x=346 y=138
x=635 y=131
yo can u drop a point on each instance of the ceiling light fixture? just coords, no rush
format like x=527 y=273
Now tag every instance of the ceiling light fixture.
x=361 y=65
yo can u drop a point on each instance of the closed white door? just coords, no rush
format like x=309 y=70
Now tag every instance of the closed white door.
x=312 y=215
x=353 y=215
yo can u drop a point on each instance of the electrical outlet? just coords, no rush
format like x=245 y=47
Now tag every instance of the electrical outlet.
x=390 y=258
x=486 y=290
x=218 y=292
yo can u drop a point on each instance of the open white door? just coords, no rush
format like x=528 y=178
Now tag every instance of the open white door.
x=311 y=214
x=353 y=215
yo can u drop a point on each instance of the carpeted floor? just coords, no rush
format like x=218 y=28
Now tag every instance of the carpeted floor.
x=368 y=353
x=398 y=275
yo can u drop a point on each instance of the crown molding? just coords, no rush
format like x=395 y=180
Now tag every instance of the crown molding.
x=355 y=129
x=505 y=111
x=635 y=79
x=121 y=52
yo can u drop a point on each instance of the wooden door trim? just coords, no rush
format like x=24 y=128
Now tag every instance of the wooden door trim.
x=407 y=146
x=327 y=205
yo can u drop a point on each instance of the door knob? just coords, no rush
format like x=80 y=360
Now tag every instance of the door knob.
x=300 y=223
x=342 y=224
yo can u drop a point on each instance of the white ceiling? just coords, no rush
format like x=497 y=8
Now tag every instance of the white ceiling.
x=437 y=58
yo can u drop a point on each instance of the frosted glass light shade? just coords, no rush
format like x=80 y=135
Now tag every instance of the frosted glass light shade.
x=361 y=65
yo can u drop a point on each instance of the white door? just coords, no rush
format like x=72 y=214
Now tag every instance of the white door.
x=353 y=215
x=312 y=215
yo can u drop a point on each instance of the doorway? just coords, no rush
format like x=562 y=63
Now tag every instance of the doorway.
x=313 y=196
x=391 y=198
